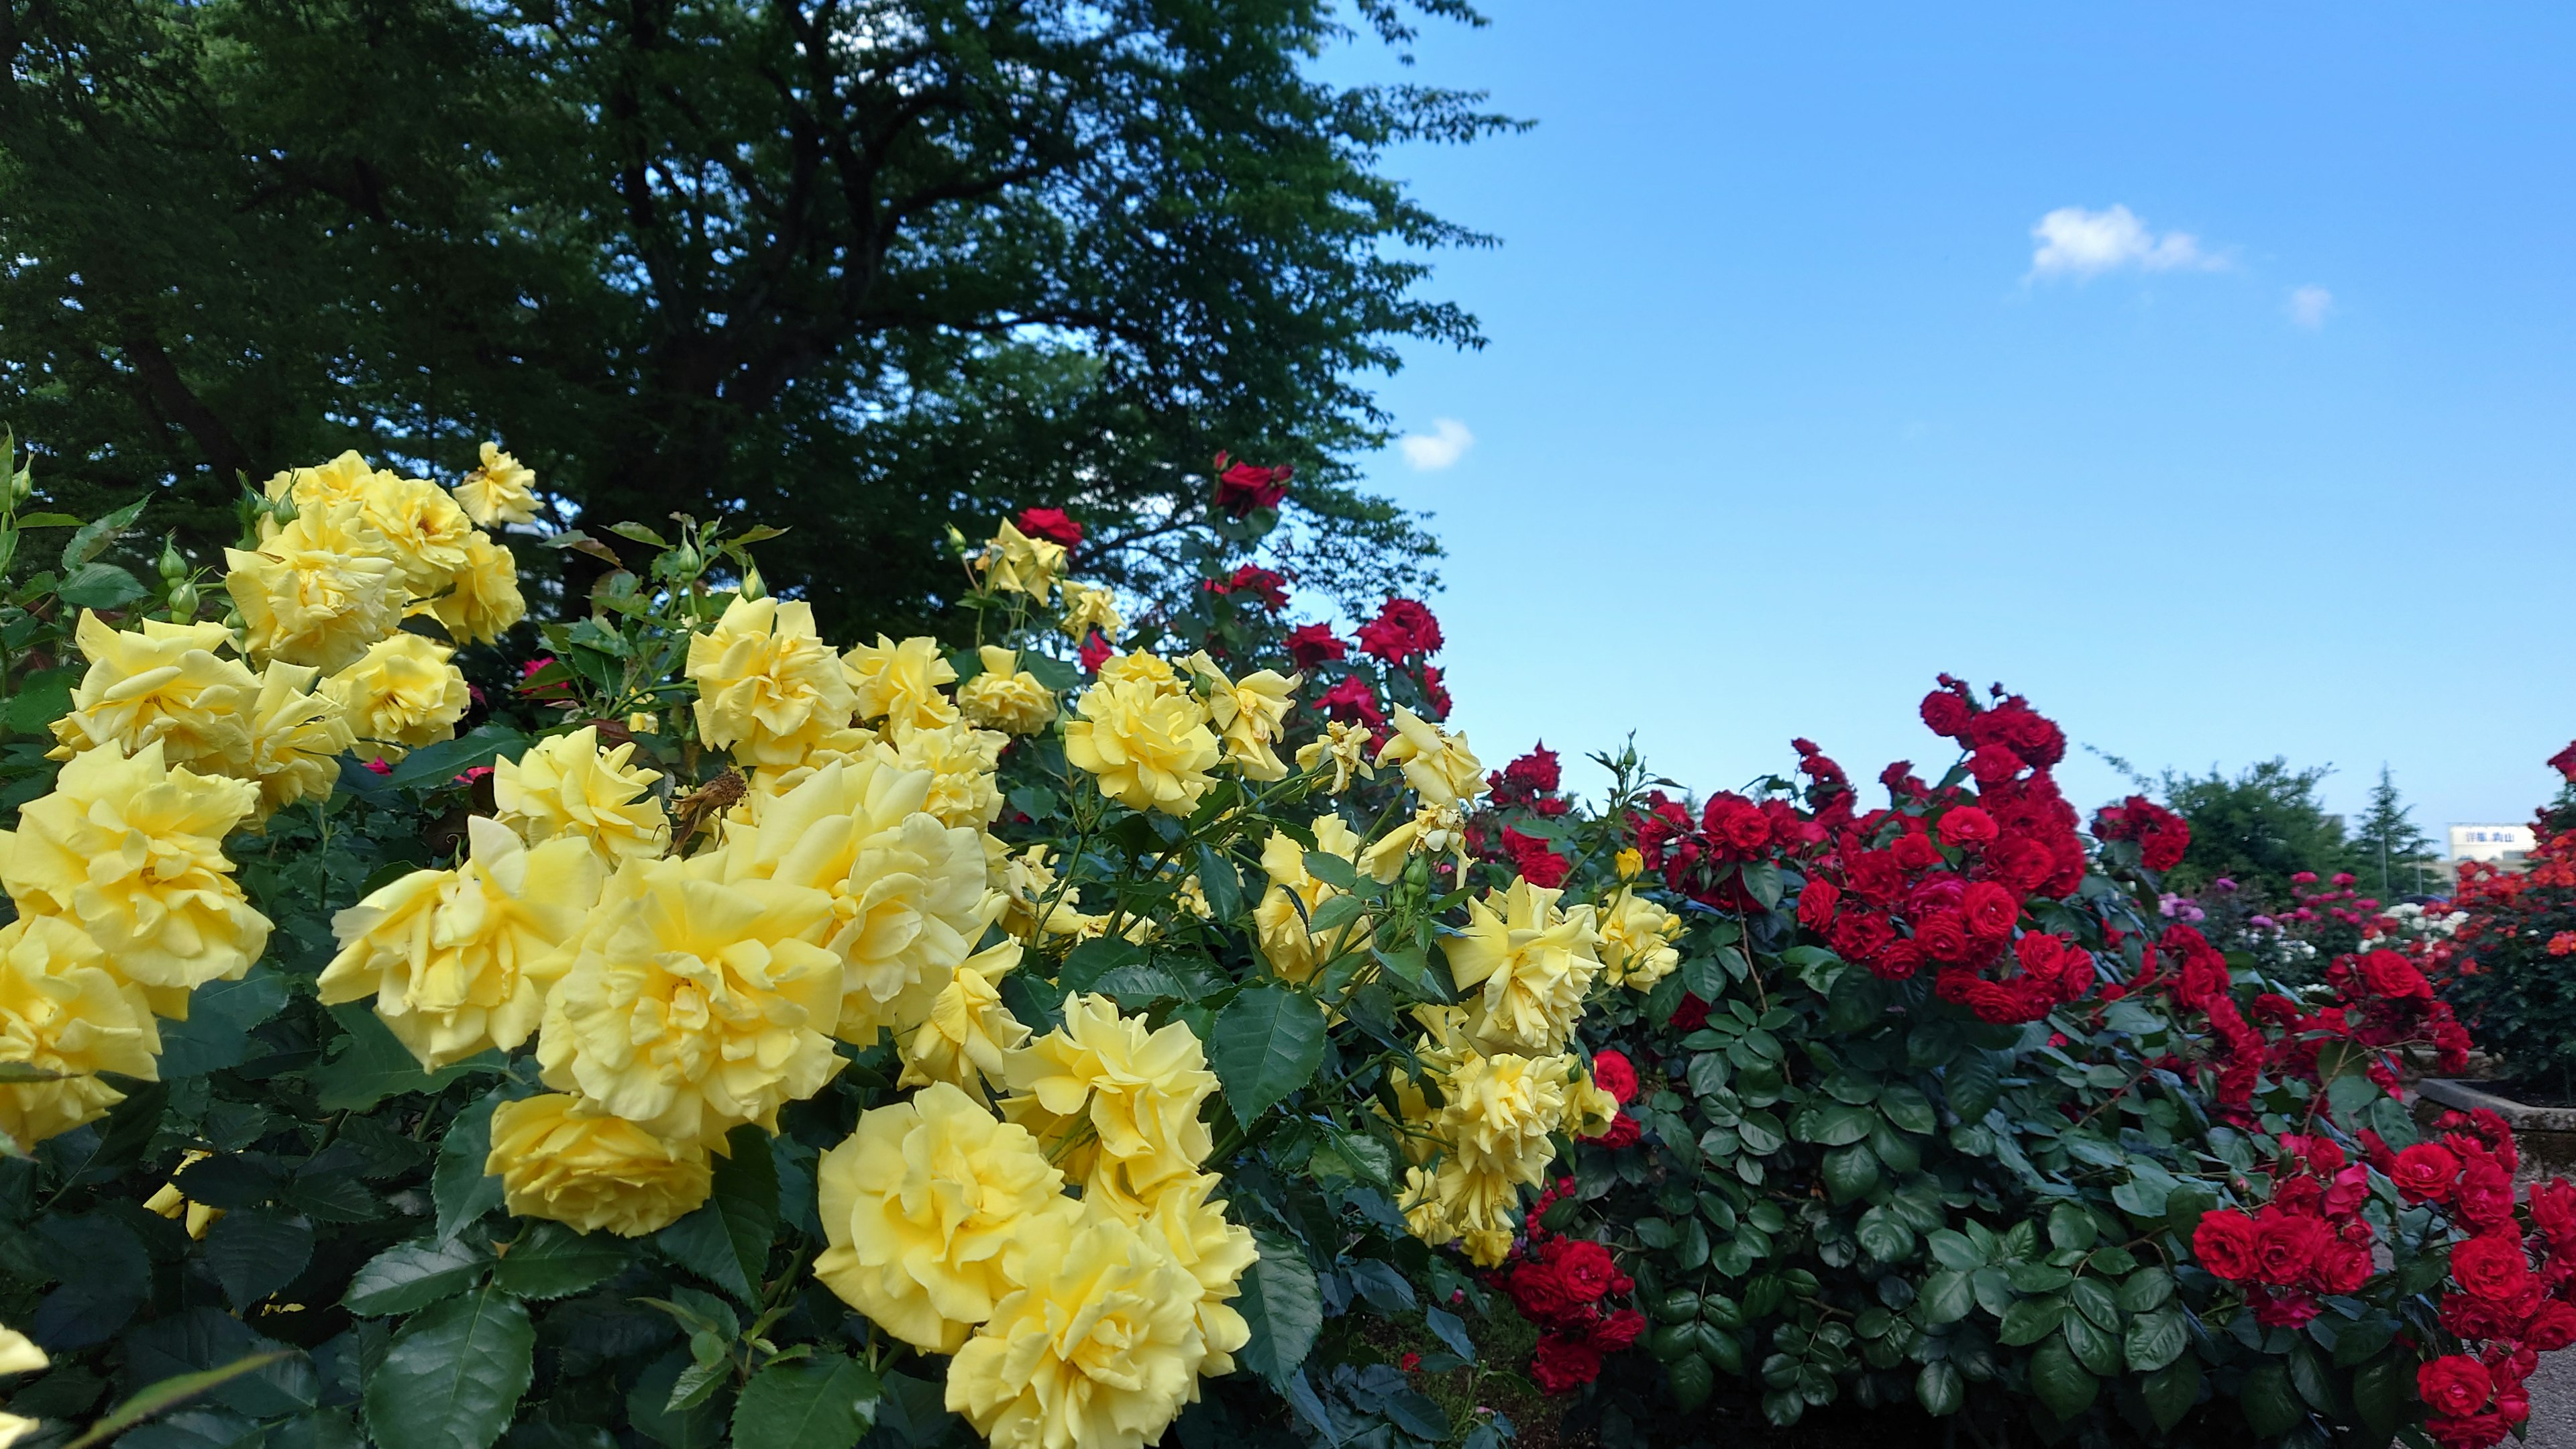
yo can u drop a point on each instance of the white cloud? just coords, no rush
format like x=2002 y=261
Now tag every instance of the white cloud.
x=2310 y=306
x=2077 y=243
x=1430 y=452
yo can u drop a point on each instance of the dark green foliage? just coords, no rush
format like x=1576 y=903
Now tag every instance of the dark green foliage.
x=2389 y=853
x=2257 y=828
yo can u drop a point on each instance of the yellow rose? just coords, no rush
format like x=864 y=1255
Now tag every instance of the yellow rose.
x=969 y=1033
x=133 y=852
x=1032 y=903
x=1637 y=941
x=401 y=694
x=484 y=600
x=459 y=960
x=1341 y=749
x=1211 y=1250
x=342 y=480
x=1099 y=1350
x=1451 y=1204
x=1149 y=750
x=1589 y=1110
x=296 y=738
x=1015 y=563
x=904 y=896
x=918 y=1205
x=693 y=1005
x=1529 y=965
x=502 y=491
x=1629 y=863
x=163 y=683
x=768 y=686
x=960 y=760
x=410 y=523
x=899 y=683
x=568 y=786
x=565 y=1160
x=62 y=1010
x=19 y=1355
x=1498 y=1112
x=1437 y=764
x=1139 y=1091
x=1279 y=927
x=1136 y=666
x=1087 y=608
x=318 y=591
x=1006 y=697
x=1250 y=716
x=1434 y=830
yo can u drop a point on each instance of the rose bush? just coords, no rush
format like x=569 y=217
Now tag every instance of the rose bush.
x=2504 y=956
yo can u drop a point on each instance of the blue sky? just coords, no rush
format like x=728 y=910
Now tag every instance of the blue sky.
x=1787 y=407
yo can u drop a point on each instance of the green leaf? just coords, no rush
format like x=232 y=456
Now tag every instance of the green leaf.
x=2098 y=1351
x=1761 y=881
x=2070 y=1227
x=1972 y=1087
x=99 y=586
x=452 y=1378
x=372 y=1064
x=254 y=1252
x=2031 y=1319
x=2094 y=1300
x=2146 y=1289
x=1940 y=1389
x=1834 y=1124
x=2171 y=1391
x=1948 y=1296
x=462 y=1190
x=726 y=1242
x=1885 y=1235
x=205 y=1428
x=1266 y=1044
x=2061 y=1383
x=1850 y=1172
x=648 y=1408
x=2379 y=1394
x=1954 y=1249
x=92 y=538
x=216 y=1035
x=1909 y=1109
x=553 y=1261
x=824 y=1402
x=1284 y=1308
x=168 y=1393
x=2155 y=1339
x=410 y=1276
x=40 y=698
x=1332 y=870
x=432 y=766
x=2270 y=1406
x=1221 y=883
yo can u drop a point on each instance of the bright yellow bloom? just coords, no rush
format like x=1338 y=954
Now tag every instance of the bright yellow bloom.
x=899 y=683
x=296 y=738
x=1006 y=697
x=318 y=591
x=905 y=896
x=1448 y=1203
x=564 y=1159
x=62 y=1010
x=1629 y=862
x=1213 y=1251
x=1015 y=563
x=1140 y=1092
x=1637 y=941
x=459 y=960
x=132 y=851
x=425 y=534
x=1279 y=927
x=969 y=1033
x=919 y=1205
x=768 y=686
x=1149 y=750
x=1342 y=749
x=1498 y=1111
x=1589 y=1110
x=960 y=760
x=568 y=786
x=1437 y=764
x=166 y=683
x=342 y=480
x=1434 y=830
x=1029 y=888
x=485 y=600
x=401 y=694
x=1087 y=608
x=1250 y=716
x=1099 y=1351
x=18 y=1354
x=1529 y=965
x=692 y=1005
x=502 y=491
x=1137 y=666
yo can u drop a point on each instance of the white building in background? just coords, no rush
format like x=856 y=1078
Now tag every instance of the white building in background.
x=2507 y=845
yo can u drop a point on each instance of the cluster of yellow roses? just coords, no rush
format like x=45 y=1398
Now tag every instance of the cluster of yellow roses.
x=179 y=733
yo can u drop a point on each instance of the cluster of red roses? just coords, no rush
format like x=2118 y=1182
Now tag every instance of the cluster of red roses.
x=1565 y=1286
x=1052 y=524
x=1526 y=787
x=1243 y=487
x=2310 y=1239
x=1402 y=636
x=1267 y=587
x=2162 y=836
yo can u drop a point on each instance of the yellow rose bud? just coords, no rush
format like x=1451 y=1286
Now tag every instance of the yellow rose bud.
x=1149 y=750
x=569 y=787
x=768 y=686
x=899 y=683
x=1629 y=863
x=565 y=1160
x=1006 y=697
x=401 y=694
x=62 y=1010
x=502 y=491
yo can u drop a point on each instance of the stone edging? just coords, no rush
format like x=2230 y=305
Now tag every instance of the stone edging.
x=2466 y=1097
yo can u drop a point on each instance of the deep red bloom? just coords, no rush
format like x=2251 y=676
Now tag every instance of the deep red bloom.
x=1540 y=1291
x=1269 y=587
x=1051 y=524
x=1620 y=1329
x=1966 y=826
x=1816 y=904
x=1243 y=487
x=2454 y=1384
x=1563 y=1363
x=1313 y=644
x=1736 y=825
x=2485 y=1194
x=2477 y=1431
x=2552 y=1328
x=1944 y=936
x=2224 y=1244
x=2491 y=1266
x=379 y=766
x=1585 y=1267
x=1947 y=714
x=1990 y=910
x=1402 y=630
x=1434 y=692
x=2564 y=762
x=1535 y=773
x=1612 y=1072
x=2425 y=1172
x=2340 y=1268
x=2395 y=977
x=1352 y=700
x=1623 y=1131
x=1690 y=1015
x=1533 y=861
x=1095 y=652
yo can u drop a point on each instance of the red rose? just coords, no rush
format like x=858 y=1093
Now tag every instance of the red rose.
x=2552 y=1328
x=1585 y=1268
x=1612 y=1072
x=2286 y=1310
x=2564 y=762
x=1966 y=826
x=1914 y=851
x=1401 y=630
x=1993 y=765
x=1816 y=904
x=2424 y=1172
x=1534 y=861
x=2454 y=1384
x=1535 y=773
x=1051 y=524
x=2224 y=1244
x=1270 y=588
x=1690 y=1015
x=2341 y=1268
x=1990 y=910
x=1095 y=652
x=2393 y=976
x=1944 y=937
x=1564 y=1364
x=1736 y=823
x=1897 y=961
x=1620 y=1329
x=2485 y=1194
x=1623 y=1131
x=1352 y=701
x=1947 y=714
x=1875 y=875
x=1858 y=936
x=2477 y=1431
x=2492 y=1267
x=1243 y=487
x=1539 y=1291
x=1313 y=644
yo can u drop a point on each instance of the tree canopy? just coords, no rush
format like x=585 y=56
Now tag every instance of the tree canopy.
x=2258 y=827
x=866 y=268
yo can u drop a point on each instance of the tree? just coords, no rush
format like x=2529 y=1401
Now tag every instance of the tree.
x=2388 y=851
x=869 y=267
x=2258 y=828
